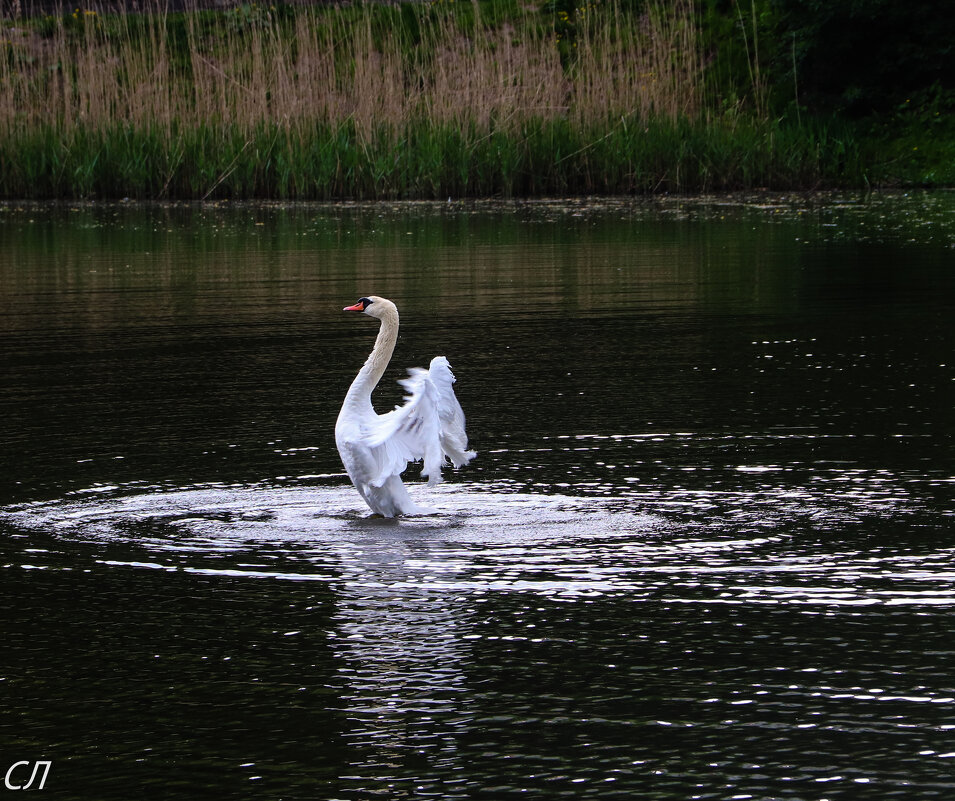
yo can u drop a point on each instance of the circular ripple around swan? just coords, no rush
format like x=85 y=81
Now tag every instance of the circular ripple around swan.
x=217 y=516
x=482 y=540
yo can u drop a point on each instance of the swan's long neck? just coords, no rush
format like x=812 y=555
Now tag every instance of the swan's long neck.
x=376 y=364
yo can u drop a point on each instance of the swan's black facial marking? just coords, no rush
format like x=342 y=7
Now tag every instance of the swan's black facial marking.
x=362 y=305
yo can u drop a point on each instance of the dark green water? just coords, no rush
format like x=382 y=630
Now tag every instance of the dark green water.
x=706 y=549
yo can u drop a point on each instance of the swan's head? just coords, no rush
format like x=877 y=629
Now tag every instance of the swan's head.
x=374 y=306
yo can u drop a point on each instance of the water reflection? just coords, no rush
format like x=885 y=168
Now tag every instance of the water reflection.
x=704 y=552
x=458 y=641
x=402 y=662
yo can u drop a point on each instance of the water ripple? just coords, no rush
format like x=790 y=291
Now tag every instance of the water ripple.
x=756 y=547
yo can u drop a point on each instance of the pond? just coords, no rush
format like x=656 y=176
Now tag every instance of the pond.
x=705 y=549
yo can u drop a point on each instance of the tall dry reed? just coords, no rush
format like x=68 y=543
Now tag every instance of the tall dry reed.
x=331 y=68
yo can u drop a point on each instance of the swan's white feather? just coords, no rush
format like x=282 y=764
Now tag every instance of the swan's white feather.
x=429 y=427
x=376 y=449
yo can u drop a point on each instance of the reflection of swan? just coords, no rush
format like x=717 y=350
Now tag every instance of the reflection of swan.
x=402 y=651
x=375 y=448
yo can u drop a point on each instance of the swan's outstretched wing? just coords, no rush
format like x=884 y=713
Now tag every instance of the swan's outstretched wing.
x=430 y=426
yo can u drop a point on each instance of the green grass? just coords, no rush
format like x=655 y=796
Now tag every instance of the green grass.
x=417 y=161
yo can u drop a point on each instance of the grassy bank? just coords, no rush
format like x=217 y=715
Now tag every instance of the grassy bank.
x=410 y=101
x=330 y=161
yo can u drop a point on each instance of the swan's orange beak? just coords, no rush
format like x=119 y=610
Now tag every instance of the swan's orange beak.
x=360 y=306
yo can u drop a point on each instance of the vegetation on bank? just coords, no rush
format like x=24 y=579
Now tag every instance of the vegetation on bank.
x=430 y=100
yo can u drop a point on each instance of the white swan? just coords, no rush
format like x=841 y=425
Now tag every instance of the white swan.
x=376 y=448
